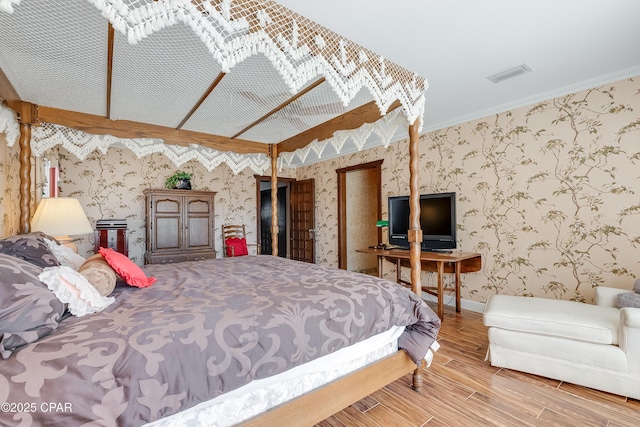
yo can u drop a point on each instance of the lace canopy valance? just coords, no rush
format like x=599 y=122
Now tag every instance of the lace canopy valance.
x=165 y=55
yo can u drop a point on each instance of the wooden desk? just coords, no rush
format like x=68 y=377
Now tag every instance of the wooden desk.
x=456 y=262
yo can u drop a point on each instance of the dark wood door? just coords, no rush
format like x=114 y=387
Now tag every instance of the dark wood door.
x=302 y=236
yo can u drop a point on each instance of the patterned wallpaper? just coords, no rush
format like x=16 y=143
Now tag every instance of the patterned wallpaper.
x=111 y=186
x=9 y=188
x=548 y=194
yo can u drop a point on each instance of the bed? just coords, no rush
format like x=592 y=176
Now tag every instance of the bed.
x=299 y=91
x=204 y=330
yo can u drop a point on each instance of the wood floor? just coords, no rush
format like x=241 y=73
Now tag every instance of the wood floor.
x=461 y=389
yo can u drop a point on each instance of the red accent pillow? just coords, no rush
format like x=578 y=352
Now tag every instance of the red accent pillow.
x=239 y=246
x=131 y=273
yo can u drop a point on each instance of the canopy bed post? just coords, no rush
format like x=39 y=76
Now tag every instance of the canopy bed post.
x=415 y=233
x=27 y=115
x=273 y=153
x=25 y=177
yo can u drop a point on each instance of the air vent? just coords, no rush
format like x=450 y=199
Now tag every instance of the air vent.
x=510 y=73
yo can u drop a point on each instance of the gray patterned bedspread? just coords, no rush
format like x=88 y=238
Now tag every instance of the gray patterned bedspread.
x=204 y=328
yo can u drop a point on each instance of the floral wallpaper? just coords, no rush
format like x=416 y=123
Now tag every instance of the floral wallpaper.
x=111 y=186
x=548 y=194
x=9 y=188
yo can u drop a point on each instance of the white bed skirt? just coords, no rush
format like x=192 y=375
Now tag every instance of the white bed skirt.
x=261 y=395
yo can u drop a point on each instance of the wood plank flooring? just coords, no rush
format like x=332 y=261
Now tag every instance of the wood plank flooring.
x=461 y=389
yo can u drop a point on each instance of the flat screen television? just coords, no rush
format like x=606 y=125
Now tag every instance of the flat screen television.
x=437 y=221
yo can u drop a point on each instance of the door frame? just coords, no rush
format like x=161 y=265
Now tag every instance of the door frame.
x=342 y=205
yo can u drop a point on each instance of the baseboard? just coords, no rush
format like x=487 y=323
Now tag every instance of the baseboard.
x=450 y=300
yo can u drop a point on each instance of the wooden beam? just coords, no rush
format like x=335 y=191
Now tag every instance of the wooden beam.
x=202 y=99
x=368 y=113
x=26 y=112
x=110 y=38
x=320 y=403
x=281 y=106
x=7 y=92
x=273 y=153
x=127 y=129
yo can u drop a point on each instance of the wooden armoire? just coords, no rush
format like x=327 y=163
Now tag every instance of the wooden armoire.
x=180 y=226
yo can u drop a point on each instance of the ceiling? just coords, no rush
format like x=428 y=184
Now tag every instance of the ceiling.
x=57 y=57
x=569 y=44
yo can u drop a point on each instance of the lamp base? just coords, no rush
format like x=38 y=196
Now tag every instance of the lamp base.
x=68 y=242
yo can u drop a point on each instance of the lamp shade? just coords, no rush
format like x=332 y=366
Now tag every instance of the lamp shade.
x=60 y=216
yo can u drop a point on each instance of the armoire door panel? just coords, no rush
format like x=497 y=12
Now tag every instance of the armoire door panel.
x=167 y=232
x=198 y=233
x=167 y=206
x=198 y=206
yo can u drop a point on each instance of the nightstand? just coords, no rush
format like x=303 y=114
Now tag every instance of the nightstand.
x=112 y=233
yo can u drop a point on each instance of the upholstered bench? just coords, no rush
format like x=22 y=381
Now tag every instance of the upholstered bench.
x=596 y=346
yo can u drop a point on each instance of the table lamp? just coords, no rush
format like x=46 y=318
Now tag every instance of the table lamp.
x=61 y=217
x=381 y=224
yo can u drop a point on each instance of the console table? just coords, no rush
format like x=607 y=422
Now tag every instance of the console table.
x=456 y=262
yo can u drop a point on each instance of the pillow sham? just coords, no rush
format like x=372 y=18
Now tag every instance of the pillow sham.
x=73 y=289
x=65 y=256
x=28 y=310
x=236 y=246
x=127 y=269
x=30 y=247
x=99 y=273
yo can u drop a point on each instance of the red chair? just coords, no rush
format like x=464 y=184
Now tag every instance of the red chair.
x=234 y=241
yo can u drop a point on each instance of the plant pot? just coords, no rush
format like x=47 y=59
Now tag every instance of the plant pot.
x=183 y=184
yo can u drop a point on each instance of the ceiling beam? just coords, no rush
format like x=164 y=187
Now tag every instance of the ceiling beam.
x=98 y=125
x=281 y=106
x=7 y=92
x=201 y=100
x=368 y=113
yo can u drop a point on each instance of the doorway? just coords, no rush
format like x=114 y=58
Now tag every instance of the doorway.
x=264 y=219
x=296 y=218
x=263 y=186
x=359 y=208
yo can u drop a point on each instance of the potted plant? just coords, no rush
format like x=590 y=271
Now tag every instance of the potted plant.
x=180 y=180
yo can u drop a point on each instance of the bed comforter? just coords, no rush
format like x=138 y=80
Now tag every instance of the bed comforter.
x=203 y=329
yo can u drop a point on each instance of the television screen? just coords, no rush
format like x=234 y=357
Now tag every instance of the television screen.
x=437 y=221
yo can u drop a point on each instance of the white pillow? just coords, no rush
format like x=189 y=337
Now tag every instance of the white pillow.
x=65 y=256
x=73 y=289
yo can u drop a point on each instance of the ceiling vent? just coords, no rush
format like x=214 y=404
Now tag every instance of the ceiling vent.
x=510 y=73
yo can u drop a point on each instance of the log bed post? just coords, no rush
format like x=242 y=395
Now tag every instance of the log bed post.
x=273 y=153
x=415 y=233
x=25 y=177
x=27 y=116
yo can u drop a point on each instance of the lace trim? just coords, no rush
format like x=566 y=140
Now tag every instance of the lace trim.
x=81 y=144
x=384 y=128
x=300 y=49
x=8 y=122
